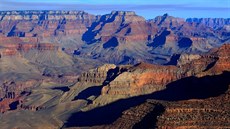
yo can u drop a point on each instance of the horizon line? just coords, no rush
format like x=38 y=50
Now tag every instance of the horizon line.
x=96 y=14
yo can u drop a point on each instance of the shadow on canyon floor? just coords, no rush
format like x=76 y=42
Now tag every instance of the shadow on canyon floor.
x=91 y=91
x=63 y=89
x=183 y=89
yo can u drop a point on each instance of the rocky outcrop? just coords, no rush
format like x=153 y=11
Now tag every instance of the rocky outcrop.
x=222 y=62
x=141 y=79
x=31 y=108
x=13 y=89
x=187 y=58
x=101 y=75
x=11 y=93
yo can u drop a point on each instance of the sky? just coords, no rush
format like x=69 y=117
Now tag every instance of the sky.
x=146 y=8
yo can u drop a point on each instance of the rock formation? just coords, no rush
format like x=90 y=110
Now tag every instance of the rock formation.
x=122 y=35
x=98 y=75
x=141 y=79
x=11 y=92
x=125 y=26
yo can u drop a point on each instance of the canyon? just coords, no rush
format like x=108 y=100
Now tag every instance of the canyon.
x=72 y=69
x=119 y=34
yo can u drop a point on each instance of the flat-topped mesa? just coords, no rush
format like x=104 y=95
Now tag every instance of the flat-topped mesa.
x=126 y=16
x=44 y=23
x=123 y=12
x=44 y=15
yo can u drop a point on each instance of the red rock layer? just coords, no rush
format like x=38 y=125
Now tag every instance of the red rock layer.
x=13 y=45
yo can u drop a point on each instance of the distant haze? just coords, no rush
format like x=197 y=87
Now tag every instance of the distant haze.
x=146 y=8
